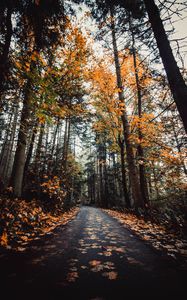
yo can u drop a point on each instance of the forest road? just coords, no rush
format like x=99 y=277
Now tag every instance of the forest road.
x=92 y=257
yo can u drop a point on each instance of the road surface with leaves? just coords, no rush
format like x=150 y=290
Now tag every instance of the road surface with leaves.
x=93 y=257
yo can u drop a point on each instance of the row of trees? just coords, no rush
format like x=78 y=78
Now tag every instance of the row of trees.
x=128 y=133
x=42 y=103
x=157 y=163
x=57 y=92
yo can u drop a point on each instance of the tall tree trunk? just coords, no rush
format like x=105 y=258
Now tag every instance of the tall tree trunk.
x=53 y=161
x=179 y=148
x=4 y=158
x=5 y=53
x=39 y=146
x=123 y=172
x=66 y=143
x=105 y=176
x=133 y=175
x=175 y=79
x=100 y=182
x=155 y=182
x=117 y=178
x=8 y=161
x=30 y=151
x=54 y=137
x=142 y=175
x=38 y=162
x=20 y=155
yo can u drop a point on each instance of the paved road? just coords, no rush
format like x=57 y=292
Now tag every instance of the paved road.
x=93 y=257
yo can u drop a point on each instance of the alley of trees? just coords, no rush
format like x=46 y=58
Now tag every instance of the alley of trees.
x=93 y=106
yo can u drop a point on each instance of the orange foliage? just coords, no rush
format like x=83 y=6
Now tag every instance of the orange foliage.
x=24 y=221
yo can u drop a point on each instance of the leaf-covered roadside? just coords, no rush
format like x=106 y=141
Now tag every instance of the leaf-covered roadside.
x=158 y=235
x=22 y=221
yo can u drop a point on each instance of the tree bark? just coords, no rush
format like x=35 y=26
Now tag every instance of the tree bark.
x=105 y=176
x=175 y=79
x=178 y=148
x=20 y=155
x=142 y=174
x=5 y=149
x=6 y=158
x=134 y=180
x=52 y=163
x=38 y=162
x=30 y=152
x=124 y=176
x=5 y=53
x=66 y=143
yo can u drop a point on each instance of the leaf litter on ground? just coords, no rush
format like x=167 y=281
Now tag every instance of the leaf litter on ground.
x=22 y=221
x=159 y=236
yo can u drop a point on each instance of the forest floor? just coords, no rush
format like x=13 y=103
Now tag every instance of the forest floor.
x=24 y=221
x=159 y=236
x=93 y=257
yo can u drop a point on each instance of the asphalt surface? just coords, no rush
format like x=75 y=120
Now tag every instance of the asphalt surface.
x=92 y=257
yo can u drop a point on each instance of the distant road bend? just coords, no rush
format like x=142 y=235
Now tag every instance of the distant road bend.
x=92 y=257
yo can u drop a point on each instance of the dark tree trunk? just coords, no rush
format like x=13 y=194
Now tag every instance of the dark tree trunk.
x=5 y=149
x=38 y=162
x=52 y=163
x=66 y=143
x=124 y=176
x=105 y=175
x=175 y=79
x=142 y=174
x=179 y=148
x=20 y=155
x=101 y=194
x=155 y=182
x=39 y=146
x=6 y=158
x=133 y=175
x=5 y=53
x=54 y=138
x=30 y=152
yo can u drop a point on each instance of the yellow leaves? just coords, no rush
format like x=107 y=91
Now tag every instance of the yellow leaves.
x=128 y=71
x=27 y=66
x=36 y=56
x=99 y=126
x=53 y=186
x=4 y=239
x=118 y=90
x=44 y=106
x=170 y=157
x=150 y=131
x=23 y=63
x=122 y=105
x=41 y=119
x=18 y=65
x=115 y=119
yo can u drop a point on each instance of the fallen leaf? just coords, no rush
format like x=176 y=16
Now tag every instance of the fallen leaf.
x=94 y=263
x=4 y=239
x=110 y=275
x=72 y=276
